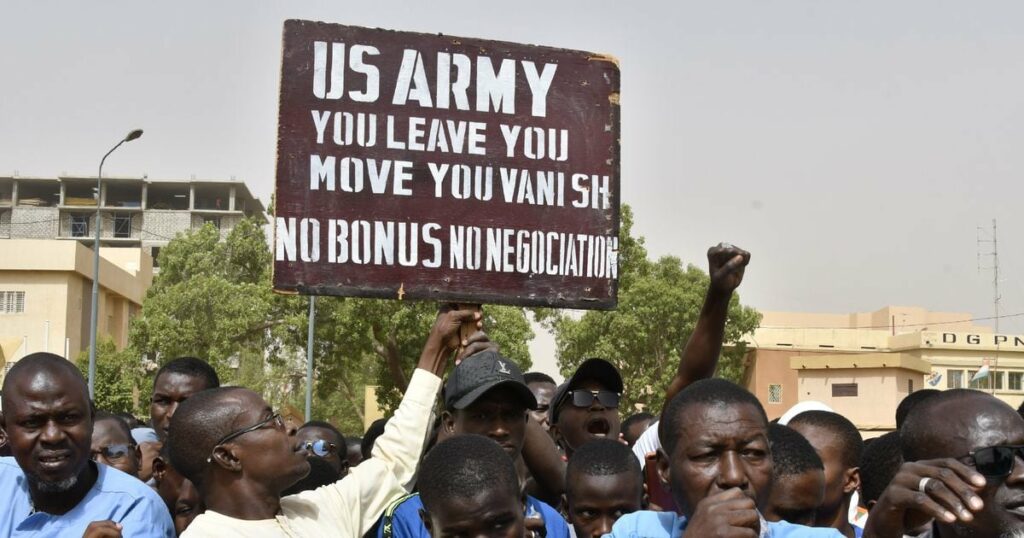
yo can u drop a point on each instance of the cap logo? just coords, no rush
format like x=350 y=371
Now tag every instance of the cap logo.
x=503 y=369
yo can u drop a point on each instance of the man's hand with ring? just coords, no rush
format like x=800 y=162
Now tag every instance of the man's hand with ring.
x=943 y=489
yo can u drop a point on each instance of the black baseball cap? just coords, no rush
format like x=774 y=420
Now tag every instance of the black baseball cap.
x=599 y=370
x=478 y=374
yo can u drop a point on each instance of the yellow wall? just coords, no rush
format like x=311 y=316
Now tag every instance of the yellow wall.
x=879 y=391
x=56 y=278
x=45 y=300
x=371 y=411
x=924 y=344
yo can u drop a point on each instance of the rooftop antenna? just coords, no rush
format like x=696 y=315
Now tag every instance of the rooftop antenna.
x=995 y=289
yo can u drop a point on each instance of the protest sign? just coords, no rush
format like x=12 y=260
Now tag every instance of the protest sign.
x=422 y=166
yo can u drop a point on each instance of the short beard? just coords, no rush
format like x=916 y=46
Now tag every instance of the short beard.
x=59 y=486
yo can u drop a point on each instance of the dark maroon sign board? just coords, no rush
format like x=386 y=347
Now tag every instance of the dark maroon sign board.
x=420 y=166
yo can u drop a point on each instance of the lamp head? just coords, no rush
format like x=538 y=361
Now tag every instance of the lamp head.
x=133 y=135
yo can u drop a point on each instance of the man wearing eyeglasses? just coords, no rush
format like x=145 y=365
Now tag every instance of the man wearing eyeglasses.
x=239 y=455
x=112 y=444
x=50 y=487
x=963 y=469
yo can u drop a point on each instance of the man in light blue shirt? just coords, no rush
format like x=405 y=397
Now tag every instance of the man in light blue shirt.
x=716 y=458
x=50 y=486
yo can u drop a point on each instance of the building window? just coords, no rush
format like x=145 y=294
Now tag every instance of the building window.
x=122 y=225
x=954 y=379
x=156 y=256
x=12 y=302
x=910 y=386
x=774 y=394
x=997 y=379
x=79 y=226
x=841 y=390
x=215 y=221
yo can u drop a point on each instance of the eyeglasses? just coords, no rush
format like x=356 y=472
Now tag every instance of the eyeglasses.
x=586 y=398
x=320 y=448
x=113 y=452
x=276 y=419
x=996 y=461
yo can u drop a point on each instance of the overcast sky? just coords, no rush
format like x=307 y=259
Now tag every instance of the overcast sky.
x=853 y=147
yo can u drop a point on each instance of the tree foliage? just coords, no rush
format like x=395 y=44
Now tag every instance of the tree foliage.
x=213 y=299
x=121 y=384
x=659 y=303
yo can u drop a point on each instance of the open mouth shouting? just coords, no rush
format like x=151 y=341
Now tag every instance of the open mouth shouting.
x=598 y=427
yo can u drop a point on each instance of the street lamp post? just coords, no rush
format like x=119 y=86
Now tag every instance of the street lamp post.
x=96 y=264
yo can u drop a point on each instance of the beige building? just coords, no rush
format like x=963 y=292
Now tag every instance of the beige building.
x=46 y=295
x=863 y=364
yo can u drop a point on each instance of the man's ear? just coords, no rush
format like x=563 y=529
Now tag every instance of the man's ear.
x=851 y=480
x=138 y=455
x=448 y=421
x=159 y=469
x=645 y=499
x=556 y=435
x=425 y=518
x=226 y=458
x=663 y=467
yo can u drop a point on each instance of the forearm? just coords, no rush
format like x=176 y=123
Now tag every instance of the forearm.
x=544 y=462
x=434 y=358
x=700 y=355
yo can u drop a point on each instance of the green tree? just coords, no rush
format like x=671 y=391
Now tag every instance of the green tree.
x=659 y=303
x=213 y=299
x=378 y=342
x=121 y=384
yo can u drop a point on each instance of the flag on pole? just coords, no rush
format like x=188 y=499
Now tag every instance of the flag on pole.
x=934 y=379
x=981 y=374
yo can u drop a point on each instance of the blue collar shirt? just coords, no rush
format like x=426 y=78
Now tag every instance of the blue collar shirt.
x=115 y=496
x=647 y=524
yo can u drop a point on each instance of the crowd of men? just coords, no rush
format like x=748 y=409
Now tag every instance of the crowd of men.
x=490 y=451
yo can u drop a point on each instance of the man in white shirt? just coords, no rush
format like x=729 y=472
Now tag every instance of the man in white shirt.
x=235 y=449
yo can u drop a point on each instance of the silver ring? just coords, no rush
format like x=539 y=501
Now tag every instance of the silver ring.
x=923 y=484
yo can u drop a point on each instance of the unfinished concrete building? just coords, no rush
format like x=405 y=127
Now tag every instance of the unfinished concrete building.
x=135 y=212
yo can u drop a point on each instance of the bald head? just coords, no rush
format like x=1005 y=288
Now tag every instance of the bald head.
x=34 y=364
x=199 y=423
x=949 y=424
x=230 y=443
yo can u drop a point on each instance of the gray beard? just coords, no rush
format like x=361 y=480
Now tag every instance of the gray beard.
x=59 y=486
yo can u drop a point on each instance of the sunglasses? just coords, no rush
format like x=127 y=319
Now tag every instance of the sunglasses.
x=113 y=452
x=586 y=398
x=320 y=448
x=996 y=461
x=278 y=423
